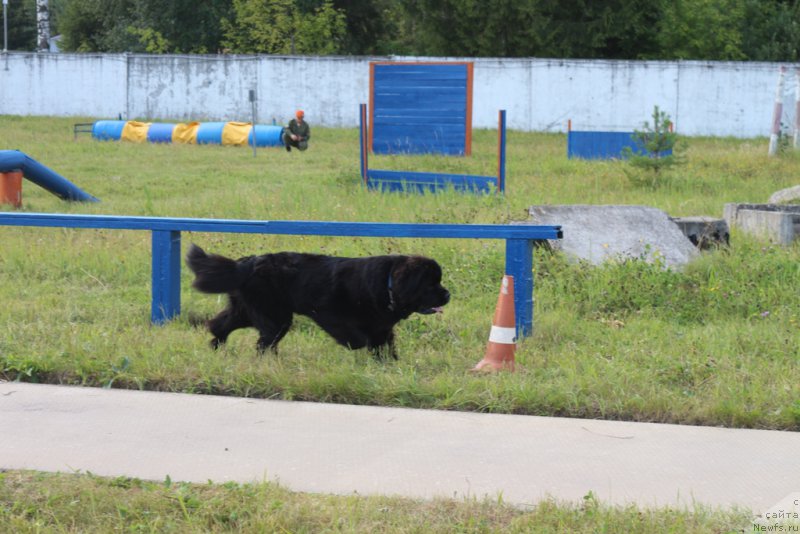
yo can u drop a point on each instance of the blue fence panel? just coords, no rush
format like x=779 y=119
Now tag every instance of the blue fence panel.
x=420 y=109
x=602 y=145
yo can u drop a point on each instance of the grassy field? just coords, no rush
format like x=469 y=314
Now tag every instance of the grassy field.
x=43 y=503
x=714 y=344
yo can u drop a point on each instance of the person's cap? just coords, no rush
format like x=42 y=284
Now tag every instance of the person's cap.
x=300 y=114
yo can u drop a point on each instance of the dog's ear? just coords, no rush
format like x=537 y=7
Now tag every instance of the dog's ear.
x=414 y=274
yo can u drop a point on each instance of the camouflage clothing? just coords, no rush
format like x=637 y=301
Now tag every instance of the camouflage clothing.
x=302 y=130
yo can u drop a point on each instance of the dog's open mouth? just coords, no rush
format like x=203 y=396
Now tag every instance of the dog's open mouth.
x=429 y=311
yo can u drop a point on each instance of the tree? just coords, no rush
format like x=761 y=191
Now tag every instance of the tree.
x=21 y=25
x=281 y=27
x=702 y=29
x=543 y=28
x=372 y=25
x=154 y=26
x=656 y=147
x=771 y=30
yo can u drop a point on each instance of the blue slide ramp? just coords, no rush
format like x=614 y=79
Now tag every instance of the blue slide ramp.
x=14 y=160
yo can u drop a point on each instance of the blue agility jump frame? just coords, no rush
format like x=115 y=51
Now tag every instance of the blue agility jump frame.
x=166 y=246
x=428 y=181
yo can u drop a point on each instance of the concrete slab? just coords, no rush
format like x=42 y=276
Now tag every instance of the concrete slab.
x=776 y=223
x=601 y=233
x=342 y=449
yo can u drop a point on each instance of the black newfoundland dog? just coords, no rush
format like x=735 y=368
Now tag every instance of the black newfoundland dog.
x=356 y=300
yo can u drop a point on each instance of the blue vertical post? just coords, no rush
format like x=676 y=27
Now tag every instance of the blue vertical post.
x=501 y=151
x=519 y=264
x=362 y=130
x=166 y=288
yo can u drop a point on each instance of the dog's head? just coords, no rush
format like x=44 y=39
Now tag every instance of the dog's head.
x=416 y=286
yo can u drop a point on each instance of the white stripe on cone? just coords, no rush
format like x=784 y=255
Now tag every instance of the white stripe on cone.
x=502 y=334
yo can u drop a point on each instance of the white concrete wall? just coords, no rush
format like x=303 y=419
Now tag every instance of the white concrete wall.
x=702 y=98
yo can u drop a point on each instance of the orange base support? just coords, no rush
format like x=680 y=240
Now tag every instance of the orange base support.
x=11 y=188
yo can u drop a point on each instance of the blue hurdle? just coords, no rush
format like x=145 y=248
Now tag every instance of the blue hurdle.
x=166 y=246
x=430 y=181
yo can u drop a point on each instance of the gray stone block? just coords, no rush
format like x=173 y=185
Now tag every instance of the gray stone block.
x=784 y=196
x=601 y=233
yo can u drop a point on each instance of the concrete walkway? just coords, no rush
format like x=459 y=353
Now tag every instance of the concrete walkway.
x=344 y=449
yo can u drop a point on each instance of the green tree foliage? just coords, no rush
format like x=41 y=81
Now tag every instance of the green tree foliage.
x=283 y=27
x=762 y=30
x=771 y=30
x=543 y=28
x=21 y=25
x=372 y=25
x=142 y=25
x=657 y=151
x=702 y=29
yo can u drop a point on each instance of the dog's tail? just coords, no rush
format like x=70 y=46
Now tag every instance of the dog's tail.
x=215 y=273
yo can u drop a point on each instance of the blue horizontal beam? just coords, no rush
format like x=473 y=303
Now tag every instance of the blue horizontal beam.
x=323 y=228
x=166 y=243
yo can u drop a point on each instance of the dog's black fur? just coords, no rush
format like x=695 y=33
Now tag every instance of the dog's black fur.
x=356 y=300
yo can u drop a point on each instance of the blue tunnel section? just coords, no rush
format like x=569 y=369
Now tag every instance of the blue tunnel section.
x=159 y=133
x=107 y=130
x=201 y=133
x=266 y=135
x=14 y=160
x=210 y=133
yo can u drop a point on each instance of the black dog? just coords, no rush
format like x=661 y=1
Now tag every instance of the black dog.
x=356 y=300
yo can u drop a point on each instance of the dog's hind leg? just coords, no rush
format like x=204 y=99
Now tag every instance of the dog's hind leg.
x=231 y=318
x=271 y=331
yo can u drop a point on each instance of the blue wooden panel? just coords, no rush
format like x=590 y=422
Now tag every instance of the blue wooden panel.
x=406 y=97
x=601 y=145
x=407 y=71
x=426 y=181
x=434 y=118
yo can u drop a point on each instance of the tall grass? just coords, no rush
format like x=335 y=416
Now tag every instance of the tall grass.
x=715 y=343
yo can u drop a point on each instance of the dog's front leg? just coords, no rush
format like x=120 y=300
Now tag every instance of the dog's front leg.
x=383 y=347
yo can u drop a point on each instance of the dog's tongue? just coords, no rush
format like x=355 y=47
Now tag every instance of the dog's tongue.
x=438 y=309
x=428 y=311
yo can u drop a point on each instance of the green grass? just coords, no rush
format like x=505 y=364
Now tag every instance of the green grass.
x=714 y=344
x=44 y=503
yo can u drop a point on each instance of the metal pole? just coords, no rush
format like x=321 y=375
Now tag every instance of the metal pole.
x=253 y=111
x=5 y=26
x=5 y=31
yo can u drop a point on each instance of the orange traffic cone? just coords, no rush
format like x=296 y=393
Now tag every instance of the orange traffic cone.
x=502 y=339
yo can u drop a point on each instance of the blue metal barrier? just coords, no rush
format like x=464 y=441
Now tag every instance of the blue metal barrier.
x=166 y=246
